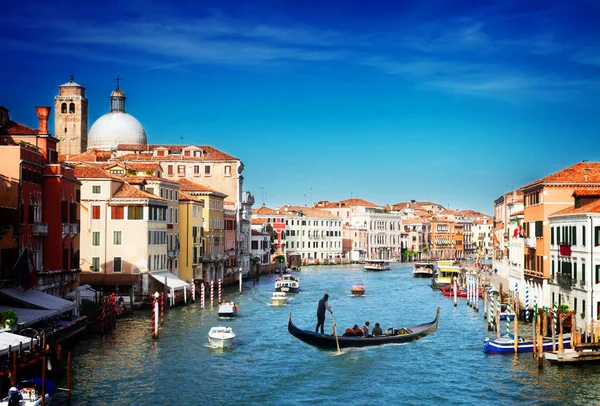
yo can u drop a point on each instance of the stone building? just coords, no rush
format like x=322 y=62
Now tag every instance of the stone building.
x=71 y=118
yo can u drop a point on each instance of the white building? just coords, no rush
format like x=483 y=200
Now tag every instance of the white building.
x=261 y=243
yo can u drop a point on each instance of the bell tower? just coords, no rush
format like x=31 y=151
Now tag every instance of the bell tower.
x=71 y=118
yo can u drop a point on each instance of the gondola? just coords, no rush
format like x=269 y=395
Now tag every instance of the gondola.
x=396 y=336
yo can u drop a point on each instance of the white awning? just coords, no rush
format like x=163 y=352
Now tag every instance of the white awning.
x=29 y=317
x=39 y=299
x=14 y=341
x=172 y=281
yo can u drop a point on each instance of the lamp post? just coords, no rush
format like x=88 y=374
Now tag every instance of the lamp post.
x=240 y=272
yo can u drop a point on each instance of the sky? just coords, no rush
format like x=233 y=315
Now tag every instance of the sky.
x=456 y=102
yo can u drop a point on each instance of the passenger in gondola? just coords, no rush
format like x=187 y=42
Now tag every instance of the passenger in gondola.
x=366 y=329
x=377 y=330
x=358 y=331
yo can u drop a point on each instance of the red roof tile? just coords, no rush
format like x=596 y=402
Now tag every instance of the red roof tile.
x=586 y=192
x=126 y=191
x=347 y=203
x=259 y=221
x=92 y=171
x=14 y=128
x=580 y=173
x=264 y=210
x=593 y=207
x=189 y=186
x=210 y=153
x=307 y=211
x=91 y=155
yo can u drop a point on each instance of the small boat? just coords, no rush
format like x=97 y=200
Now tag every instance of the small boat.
x=358 y=289
x=227 y=309
x=221 y=337
x=279 y=298
x=506 y=344
x=31 y=391
x=287 y=283
x=397 y=336
x=377 y=265
x=424 y=270
x=446 y=274
x=448 y=290
x=506 y=314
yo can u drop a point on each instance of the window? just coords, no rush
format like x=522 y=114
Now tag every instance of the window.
x=596 y=236
x=160 y=153
x=196 y=170
x=227 y=170
x=181 y=169
x=583 y=236
x=206 y=170
x=135 y=213
x=117 y=238
x=96 y=212
x=170 y=194
x=583 y=272
x=117 y=212
x=539 y=228
x=72 y=108
x=170 y=170
x=150 y=190
x=63 y=108
x=117 y=264
x=95 y=264
x=96 y=189
x=186 y=153
x=551 y=235
x=96 y=238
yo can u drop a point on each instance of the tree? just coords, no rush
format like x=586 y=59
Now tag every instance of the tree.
x=273 y=237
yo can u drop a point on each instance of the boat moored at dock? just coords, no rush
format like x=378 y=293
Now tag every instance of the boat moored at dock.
x=377 y=265
x=424 y=269
x=227 y=310
x=446 y=274
x=506 y=344
x=31 y=392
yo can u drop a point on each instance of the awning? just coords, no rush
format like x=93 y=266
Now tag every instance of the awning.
x=39 y=299
x=30 y=317
x=172 y=281
x=14 y=341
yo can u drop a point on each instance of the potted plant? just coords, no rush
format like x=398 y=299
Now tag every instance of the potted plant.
x=10 y=318
x=582 y=314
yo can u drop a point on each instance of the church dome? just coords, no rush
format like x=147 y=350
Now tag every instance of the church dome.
x=116 y=128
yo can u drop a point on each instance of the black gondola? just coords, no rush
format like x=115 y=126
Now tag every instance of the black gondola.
x=402 y=335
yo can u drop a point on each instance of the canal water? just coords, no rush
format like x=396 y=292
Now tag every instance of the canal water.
x=269 y=366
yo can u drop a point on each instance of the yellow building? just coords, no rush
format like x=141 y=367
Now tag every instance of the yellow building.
x=213 y=260
x=191 y=235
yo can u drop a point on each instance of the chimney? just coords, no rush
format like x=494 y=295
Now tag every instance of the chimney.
x=43 y=112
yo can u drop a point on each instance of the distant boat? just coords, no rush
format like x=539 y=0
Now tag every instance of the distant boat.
x=221 y=337
x=279 y=298
x=424 y=269
x=446 y=274
x=227 y=310
x=287 y=283
x=377 y=265
x=358 y=289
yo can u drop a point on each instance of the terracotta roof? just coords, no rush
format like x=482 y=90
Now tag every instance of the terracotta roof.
x=593 y=207
x=255 y=232
x=308 y=211
x=153 y=179
x=126 y=191
x=586 y=192
x=14 y=128
x=210 y=153
x=582 y=173
x=91 y=155
x=264 y=210
x=259 y=221
x=519 y=213
x=349 y=203
x=189 y=186
x=183 y=196
x=134 y=180
x=136 y=166
x=92 y=171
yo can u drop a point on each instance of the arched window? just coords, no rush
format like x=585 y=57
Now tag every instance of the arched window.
x=72 y=108
x=63 y=108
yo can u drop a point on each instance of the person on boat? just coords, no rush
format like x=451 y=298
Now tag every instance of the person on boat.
x=321 y=308
x=366 y=328
x=377 y=331
x=358 y=331
x=14 y=396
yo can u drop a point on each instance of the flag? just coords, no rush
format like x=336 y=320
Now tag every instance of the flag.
x=25 y=270
x=177 y=246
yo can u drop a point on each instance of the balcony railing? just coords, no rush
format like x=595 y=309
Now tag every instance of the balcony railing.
x=565 y=281
x=74 y=229
x=530 y=242
x=65 y=229
x=39 y=229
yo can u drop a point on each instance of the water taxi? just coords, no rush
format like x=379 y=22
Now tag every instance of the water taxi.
x=287 y=283
x=377 y=265
x=424 y=269
x=279 y=298
x=227 y=310
x=221 y=337
x=446 y=274
x=31 y=392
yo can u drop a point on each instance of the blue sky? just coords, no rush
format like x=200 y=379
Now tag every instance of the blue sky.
x=446 y=101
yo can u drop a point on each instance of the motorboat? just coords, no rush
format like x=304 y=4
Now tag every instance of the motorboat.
x=377 y=265
x=227 y=309
x=221 y=337
x=279 y=299
x=31 y=392
x=446 y=274
x=358 y=289
x=424 y=269
x=287 y=283
x=395 y=336
x=506 y=344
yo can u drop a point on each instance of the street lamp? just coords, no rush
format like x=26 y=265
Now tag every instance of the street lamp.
x=240 y=271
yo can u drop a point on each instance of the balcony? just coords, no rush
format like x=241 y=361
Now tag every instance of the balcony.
x=74 y=229
x=39 y=229
x=530 y=242
x=565 y=281
x=171 y=254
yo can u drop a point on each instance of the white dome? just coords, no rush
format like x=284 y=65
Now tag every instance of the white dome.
x=116 y=128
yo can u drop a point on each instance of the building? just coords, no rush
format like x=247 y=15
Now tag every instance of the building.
x=275 y=223
x=46 y=188
x=71 y=118
x=191 y=236
x=9 y=225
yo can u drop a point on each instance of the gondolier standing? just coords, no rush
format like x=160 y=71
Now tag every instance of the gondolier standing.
x=321 y=307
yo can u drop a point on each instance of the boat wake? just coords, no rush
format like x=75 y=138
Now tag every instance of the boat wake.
x=354 y=350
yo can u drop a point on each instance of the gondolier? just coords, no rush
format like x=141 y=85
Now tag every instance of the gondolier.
x=321 y=308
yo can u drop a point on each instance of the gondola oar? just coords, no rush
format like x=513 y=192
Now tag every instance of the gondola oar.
x=337 y=342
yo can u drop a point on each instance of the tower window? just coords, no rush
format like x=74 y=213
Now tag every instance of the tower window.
x=72 y=108
x=65 y=130
x=63 y=108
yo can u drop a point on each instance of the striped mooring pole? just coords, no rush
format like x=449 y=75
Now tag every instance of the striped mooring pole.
x=554 y=314
x=202 y=296
x=526 y=302
x=219 y=283
x=212 y=292
x=492 y=299
x=508 y=315
x=193 y=288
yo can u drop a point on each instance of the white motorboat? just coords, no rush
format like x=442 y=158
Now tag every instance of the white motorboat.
x=287 y=283
x=377 y=265
x=424 y=269
x=279 y=298
x=31 y=392
x=221 y=337
x=227 y=309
